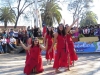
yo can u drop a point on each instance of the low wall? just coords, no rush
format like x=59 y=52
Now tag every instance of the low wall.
x=88 y=39
x=83 y=39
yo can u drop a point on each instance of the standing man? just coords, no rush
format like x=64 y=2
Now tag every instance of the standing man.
x=35 y=31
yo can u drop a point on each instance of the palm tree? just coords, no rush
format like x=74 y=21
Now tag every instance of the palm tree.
x=7 y=15
x=51 y=12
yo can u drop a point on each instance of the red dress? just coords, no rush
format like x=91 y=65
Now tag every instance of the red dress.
x=34 y=61
x=28 y=52
x=51 y=54
x=27 y=55
x=61 y=56
x=72 y=52
x=44 y=30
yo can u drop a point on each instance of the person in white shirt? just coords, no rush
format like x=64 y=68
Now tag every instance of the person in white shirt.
x=1 y=49
x=13 y=41
x=4 y=44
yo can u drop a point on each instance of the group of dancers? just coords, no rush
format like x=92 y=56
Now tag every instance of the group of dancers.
x=64 y=56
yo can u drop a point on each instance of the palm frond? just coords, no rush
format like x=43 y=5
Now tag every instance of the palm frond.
x=7 y=15
x=51 y=12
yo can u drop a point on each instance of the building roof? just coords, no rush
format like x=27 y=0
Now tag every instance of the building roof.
x=2 y=27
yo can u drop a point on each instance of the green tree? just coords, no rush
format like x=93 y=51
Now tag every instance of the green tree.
x=7 y=15
x=51 y=12
x=89 y=18
x=78 y=7
x=19 y=6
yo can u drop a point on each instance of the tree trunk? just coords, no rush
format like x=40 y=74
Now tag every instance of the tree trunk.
x=45 y=20
x=73 y=18
x=5 y=24
x=16 y=22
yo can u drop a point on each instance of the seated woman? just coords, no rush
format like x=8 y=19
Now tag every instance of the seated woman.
x=12 y=42
x=9 y=45
x=35 y=57
x=1 y=49
x=4 y=44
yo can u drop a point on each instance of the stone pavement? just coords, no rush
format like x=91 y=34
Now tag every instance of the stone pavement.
x=88 y=64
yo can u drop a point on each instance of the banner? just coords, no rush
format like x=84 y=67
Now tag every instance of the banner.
x=97 y=45
x=84 y=47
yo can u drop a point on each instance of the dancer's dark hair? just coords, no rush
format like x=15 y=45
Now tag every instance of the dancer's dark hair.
x=50 y=32
x=34 y=39
x=61 y=32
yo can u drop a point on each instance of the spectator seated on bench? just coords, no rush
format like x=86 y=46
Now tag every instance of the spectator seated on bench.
x=9 y=45
x=1 y=49
x=4 y=44
x=12 y=42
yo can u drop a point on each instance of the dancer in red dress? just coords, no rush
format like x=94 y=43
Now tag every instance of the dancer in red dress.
x=44 y=30
x=70 y=42
x=29 y=42
x=34 y=62
x=62 y=53
x=49 y=36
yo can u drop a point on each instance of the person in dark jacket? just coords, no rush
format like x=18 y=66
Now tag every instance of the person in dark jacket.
x=35 y=31
x=98 y=29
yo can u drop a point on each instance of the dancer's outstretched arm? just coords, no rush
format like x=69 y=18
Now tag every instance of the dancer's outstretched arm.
x=71 y=25
x=44 y=39
x=44 y=47
x=76 y=30
x=26 y=48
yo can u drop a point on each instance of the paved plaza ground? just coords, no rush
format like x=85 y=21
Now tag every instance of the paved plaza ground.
x=13 y=64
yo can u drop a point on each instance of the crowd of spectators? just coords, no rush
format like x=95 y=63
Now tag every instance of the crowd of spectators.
x=9 y=39
x=89 y=31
